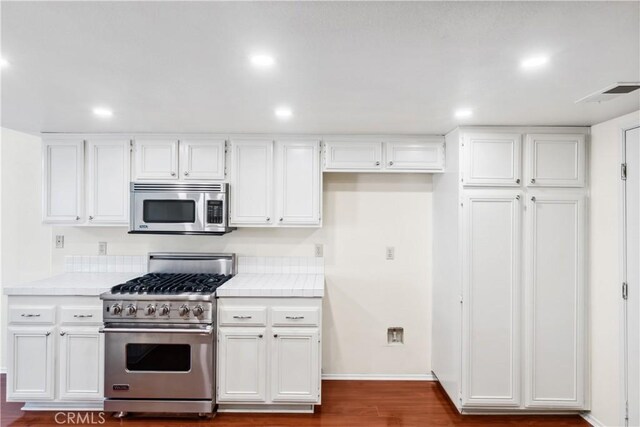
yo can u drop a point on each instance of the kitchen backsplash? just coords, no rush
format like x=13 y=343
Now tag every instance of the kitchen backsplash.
x=105 y=264
x=280 y=265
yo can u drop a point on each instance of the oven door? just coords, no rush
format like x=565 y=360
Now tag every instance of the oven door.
x=168 y=212
x=159 y=362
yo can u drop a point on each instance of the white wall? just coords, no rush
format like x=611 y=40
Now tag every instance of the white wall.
x=25 y=242
x=365 y=294
x=604 y=269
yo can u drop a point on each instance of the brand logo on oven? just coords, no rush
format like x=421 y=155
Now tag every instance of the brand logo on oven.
x=143 y=226
x=121 y=387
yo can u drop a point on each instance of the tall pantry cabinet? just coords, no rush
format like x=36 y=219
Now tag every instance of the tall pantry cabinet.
x=510 y=286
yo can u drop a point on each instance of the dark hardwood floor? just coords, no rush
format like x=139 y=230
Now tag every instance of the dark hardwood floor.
x=345 y=403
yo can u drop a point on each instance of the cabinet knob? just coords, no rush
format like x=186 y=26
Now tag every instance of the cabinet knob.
x=173 y=174
x=77 y=218
x=390 y=163
x=377 y=163
x=47 y=334
x=275 y=335
x=260 y=336
x=63 y=334
x=186 y=173
x=518 y=181
x=268 y=219
x=533 y=198
x=533 y=180
x=90 y=218
x=281 y=219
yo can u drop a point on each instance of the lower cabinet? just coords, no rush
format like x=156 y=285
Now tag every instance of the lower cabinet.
x=55 y=351
x=267 y=364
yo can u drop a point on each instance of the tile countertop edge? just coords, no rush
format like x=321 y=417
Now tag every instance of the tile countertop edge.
x=69 y=284
x=268 y=285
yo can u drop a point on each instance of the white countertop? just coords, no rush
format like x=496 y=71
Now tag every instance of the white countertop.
x=80 y=284
x=273 y=285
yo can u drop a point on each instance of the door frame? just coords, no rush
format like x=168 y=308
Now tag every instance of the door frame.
x=623 y=334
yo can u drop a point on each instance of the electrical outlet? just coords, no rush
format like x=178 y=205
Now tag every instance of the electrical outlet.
x=59 y=241
x=391 y=252
x=102 y=248
x=395 y=335
x=319 y=250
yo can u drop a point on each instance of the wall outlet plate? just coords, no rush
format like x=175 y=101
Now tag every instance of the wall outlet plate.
x=319 y=251
x=59 y=241
x=102 y=248
x=390 y=253
x=395 y=335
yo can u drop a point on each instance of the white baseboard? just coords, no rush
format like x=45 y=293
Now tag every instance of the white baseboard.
x=380 y=377
x=591 y=419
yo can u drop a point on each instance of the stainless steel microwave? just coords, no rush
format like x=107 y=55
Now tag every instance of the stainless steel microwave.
x=179 y=208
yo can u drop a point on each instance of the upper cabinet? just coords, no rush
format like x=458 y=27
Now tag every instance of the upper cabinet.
x=281 y=190
x=63 y=162
x=108 y=181
x=251 y=182
x=394 y=155
x=202 y=159
x=343 y=155
x=555 y=160
x=415 y=155
x=192 y=158
x=491 y=159
x=156 y=158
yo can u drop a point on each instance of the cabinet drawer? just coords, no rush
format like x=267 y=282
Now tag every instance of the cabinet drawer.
x=32 y=314
x=292 y=316
x=81 y=315
x=243 y=316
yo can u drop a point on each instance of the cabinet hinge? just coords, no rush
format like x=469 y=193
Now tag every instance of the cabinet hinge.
x=626 y=412
x=625 y=290
x=623 y=171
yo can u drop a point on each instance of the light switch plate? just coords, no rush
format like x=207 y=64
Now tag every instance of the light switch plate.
x=319 y=250
x=102 y=248
x=59 y=241
x=391 y=253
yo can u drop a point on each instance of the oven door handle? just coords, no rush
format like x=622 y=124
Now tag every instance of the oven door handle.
x=207 y=331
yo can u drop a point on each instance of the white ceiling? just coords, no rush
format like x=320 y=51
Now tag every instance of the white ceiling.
x=380 y=67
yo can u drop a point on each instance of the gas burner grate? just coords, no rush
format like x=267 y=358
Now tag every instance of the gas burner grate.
x=172 y=283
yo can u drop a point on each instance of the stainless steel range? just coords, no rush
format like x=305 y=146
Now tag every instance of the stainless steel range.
x=160 y=335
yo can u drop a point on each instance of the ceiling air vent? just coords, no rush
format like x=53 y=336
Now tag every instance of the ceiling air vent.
x=610 y=92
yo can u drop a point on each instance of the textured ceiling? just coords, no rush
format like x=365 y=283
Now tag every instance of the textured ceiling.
x=380 y=67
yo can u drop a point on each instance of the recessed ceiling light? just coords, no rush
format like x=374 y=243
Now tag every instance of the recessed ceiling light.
x=283 y=112
x=262 y=60
x=463 y=113
x=4 y=63
x=534 y=62
x=102 y=112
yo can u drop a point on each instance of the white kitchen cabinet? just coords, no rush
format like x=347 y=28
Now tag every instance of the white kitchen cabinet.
x=295 y=373
x=491 y=159
x=108 y=168
x=81 y=362
x=156 y=159
x=30 y=362
x=251 y=182
x=491 y=298
x=555 y=160
x=555 y=301
x=242 y=364
x=426 y=156
x=298 y=182
x=354 y=155
x=63 y=179
x=202 y=159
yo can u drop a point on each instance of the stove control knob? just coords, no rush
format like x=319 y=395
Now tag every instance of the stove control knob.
x=150 y=310
x=116 y=309
x=131 y=309
x=183 y=310
x=197 y=310
x=164 y=310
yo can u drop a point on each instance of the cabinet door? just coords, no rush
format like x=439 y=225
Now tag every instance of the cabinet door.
x=63 y=179
x=556 y=160
x=352 y=155
x=156 y=158
x=491 y=300
x=492 y=159
x=242 y=365
x=298 y=182
x=202 y=159
x=554 y=302
x=108 y=181
x=251 y=190
x=30 y=373
x=295 y=367
x=81 y=364
x=415 y=156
